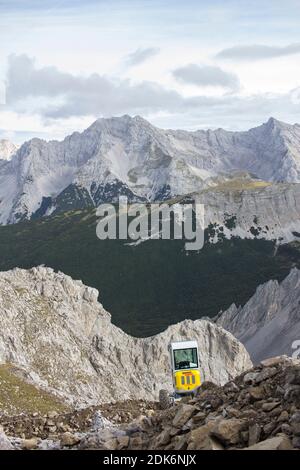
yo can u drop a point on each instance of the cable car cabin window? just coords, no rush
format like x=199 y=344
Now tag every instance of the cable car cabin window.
x=185 y=358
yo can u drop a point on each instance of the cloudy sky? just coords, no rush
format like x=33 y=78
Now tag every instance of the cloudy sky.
x=181 y=64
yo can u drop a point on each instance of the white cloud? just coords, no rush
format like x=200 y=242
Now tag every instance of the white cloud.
x=206 y=76
x=19 y=127
x=258 y=52
x=54 y=94
x=141 y=55
x=49 y=103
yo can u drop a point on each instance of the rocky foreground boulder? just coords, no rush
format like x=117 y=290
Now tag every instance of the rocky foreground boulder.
x=55 y=329
x=259 y=410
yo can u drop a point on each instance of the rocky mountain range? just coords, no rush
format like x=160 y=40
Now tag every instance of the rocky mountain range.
x=54 y=329
x=269 y=323
x=58 y=346
x=128 y=156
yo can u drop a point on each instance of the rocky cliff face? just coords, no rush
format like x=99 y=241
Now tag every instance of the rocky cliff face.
x=128 y=156
x=246 y=208
x=54 y=328
x=269 y=323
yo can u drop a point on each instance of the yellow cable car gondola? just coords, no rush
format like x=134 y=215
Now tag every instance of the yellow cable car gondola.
x=185 y=371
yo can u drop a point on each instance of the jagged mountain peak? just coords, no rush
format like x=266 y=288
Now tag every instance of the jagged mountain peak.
x=129 y=156
x=124 y=120
x=272 y=122
x=274 y=125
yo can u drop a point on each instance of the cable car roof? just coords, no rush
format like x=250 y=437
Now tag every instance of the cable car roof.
x=183 y=345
